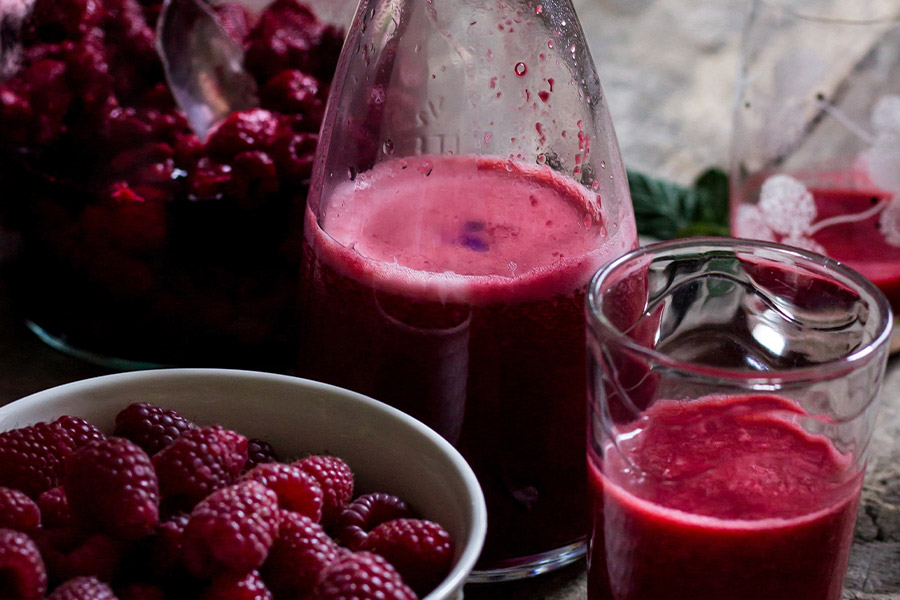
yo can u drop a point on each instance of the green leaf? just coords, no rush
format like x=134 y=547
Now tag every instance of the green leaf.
x=665 y=210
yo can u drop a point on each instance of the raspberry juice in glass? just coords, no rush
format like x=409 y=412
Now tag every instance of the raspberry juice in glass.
x=467 y=184
x=733 y=395
x=840 y=213
x=815 y=133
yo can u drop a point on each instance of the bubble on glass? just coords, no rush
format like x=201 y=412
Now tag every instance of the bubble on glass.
x=388 y=147
x=521 y=68
x=488 y=138
x=351 y=173
x=425 y=168
x=602 y=164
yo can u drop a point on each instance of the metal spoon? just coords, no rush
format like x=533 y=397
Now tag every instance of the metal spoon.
x=203 y=64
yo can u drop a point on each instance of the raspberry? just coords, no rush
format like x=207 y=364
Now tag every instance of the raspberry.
x=364 y=513
x=162 y=551
x=296 y=490
x=31 y=458
x=150 y=427
x=254 y=178
x=293 y=91
x=111 y=485
x=289 y=36
x=209 y=180
x=57 y=19
x=300 y=553
x=80 y=431
x=420 y=550
x=232 y=529
x=198 y=463
x=68 y=554
x=336 y=481
x=54 y=505
x=362 y=576
x=234 y=586
x=82 y=588
x=22 y=571
x=253 y=129
x=294 y=154
x=259 y=452
x=18 y=511
x=140 y=591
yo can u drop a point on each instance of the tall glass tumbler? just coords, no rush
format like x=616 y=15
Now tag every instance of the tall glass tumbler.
x=816 y=139
x=467 y=186
x=733 y=395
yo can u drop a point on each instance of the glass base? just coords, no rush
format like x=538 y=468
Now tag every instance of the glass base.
x=100 y=360
x=529 y=566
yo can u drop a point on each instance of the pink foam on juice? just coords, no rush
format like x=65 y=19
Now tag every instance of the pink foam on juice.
x=721 y=498
x=453 y=288
x=477 y=230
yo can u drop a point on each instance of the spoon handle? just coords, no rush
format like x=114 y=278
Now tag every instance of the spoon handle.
x=203 y=65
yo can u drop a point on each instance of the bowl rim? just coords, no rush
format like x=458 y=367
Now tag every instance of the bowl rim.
x=473 y=545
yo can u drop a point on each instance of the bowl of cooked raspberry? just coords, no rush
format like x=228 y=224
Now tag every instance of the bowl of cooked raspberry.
x=221 y=484
x=141 y=242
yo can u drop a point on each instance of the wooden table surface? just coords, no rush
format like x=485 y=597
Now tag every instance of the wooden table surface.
x=667 y=68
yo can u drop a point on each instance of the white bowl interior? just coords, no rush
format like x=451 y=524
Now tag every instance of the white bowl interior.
x=387 y=450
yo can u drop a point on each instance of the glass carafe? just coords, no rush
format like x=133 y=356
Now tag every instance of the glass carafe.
x=467 y=185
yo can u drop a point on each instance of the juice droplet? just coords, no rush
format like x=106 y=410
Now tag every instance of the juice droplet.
x=488 y=138
x=572 y=48
x=493 y=82
x=544 y=95
x=425 y=168
x=595 y=185
x=538 y=9
x=602 y=164
x=550 y=81
x=521 y=69
x=550 y=44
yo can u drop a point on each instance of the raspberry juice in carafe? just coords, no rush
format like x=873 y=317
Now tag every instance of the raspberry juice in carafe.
x=475 y=327
x=467 y=185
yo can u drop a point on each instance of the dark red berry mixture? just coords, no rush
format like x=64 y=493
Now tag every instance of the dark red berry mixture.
x=199 y=519
x=166 y=248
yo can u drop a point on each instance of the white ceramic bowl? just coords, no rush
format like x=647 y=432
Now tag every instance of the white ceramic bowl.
x=387 y=450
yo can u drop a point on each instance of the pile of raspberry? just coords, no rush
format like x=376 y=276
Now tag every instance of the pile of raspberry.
x=164 y=508
x=89 y=105
x=164 y=247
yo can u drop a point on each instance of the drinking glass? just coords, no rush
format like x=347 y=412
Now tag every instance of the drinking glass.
x=467 y=185
x=733 y=388
x=816 y=141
